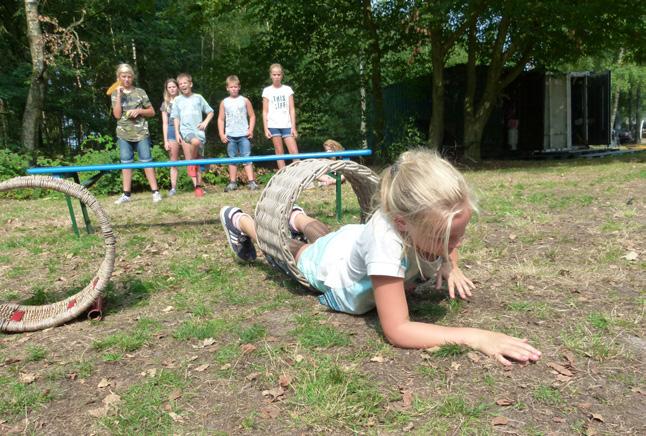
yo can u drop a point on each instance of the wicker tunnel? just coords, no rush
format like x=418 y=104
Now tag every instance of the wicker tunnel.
x=20 y=318
x=282 y=191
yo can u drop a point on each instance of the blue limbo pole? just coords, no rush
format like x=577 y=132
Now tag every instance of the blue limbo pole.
x=207 y=161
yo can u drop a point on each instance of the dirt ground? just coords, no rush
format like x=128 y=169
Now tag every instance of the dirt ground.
x=194 y=342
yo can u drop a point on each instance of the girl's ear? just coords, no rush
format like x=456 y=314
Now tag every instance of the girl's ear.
x=400 y=224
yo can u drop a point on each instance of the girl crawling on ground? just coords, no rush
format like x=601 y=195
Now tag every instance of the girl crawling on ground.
x=425 y=205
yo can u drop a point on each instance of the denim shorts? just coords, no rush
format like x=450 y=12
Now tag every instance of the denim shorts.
x=282 y=132
x=239 y=146
x=126 y=150
x=170 y=132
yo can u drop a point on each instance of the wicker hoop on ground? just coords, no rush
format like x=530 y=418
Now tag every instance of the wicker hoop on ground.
x=282 y=191
x=20 y=318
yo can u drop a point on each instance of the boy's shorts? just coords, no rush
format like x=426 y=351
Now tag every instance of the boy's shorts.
x=239 y=146
x=282 y=132
x=189 y=137
x=126 y=150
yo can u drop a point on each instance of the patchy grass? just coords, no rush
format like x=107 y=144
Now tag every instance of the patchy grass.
x=194 y=342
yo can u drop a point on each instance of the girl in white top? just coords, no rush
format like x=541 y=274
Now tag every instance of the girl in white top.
x=171 y=90
x=425 y=206
x=278 y=114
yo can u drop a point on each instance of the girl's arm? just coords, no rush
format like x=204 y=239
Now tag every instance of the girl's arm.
x=165 y=129
x=252 y=118
x=147 y=112
x=292 y=115
x=455 y=278
x=400 y=331
x=265 y=110
x=116 y=106
x=221 y=131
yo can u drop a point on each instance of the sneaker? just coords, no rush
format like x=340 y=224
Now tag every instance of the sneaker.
x=252 y=185
x=295 y=233
x=232 y=186
x=157 y=197
x=123 y=199
x=240 y=243
x=172 y=192
x=199 y=192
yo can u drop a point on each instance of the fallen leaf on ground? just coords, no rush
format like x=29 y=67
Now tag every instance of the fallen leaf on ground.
x=298 y=358
x=560 y=369
x=474 y=357
x=111 y=398
x=104 y=383
x=274 y=394
x=225 y=367
x=28 y=378
x=558 y=419
x=208 y=342
x=167 y=309
x=101 y=412
x=201 y=368
x=407 y=398
x=174 y=395
x=631 y=255
x=247 y=348
x=591 y=432
x=504 y=402
x=584 y=406
x=285 y=380
x=71 y=376
x=175 y=417
x=455 y=366
x=252 y=376
x=512 y=237
x=596 y=417
x=377 y=359
x=563 y=378
x=638 y=391
x=500 y=420
x=269 y=412
x=150 y=372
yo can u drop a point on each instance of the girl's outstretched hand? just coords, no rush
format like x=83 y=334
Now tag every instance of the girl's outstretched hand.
x=455 y=280
x=502 y=347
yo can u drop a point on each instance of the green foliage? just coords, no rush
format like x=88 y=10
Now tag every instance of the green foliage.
x=405 y=137
x=17 y=398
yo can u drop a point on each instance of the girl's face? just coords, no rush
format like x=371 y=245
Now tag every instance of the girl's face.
x=276 y=76
x=126 y=79
x=172 y=89
x=431 y=246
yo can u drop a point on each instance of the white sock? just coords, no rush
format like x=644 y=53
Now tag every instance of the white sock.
x=292 y=219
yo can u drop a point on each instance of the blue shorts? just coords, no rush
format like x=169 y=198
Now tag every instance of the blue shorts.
x=126 y=150
x=282 y=132
x=170 y=132
x=239 y=146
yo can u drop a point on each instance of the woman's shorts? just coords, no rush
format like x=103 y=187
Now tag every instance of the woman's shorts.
x=170 y=132
x=126 y=150
x=239 y=146
x=282 y=132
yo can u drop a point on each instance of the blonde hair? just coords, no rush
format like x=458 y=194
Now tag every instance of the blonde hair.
x=332 y=145
x=167 y=96
x=184 y=76
x=125 y=68
x=427 y=192
x=279 y=66
x=233 y=79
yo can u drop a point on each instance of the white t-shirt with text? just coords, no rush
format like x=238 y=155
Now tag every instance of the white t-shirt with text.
x=278 y=111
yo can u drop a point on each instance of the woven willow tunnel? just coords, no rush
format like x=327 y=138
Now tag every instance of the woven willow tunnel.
x=20 y=318
x=282 y=191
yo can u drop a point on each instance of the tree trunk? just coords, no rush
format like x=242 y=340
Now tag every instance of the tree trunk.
x=436 y=127
x=374 y=57
x=31 y=119
x=615 y=97
x=638 y=114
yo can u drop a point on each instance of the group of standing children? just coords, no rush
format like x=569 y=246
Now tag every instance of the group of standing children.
x=185 y=117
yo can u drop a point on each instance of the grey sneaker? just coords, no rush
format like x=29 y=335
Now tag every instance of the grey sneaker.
x=240 y=243
x=123 y=199
x=232 y=186
x=157 y=197
x=172 y=192
x=252 y=185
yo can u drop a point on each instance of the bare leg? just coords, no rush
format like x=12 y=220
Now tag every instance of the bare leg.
x=292 y=147
x=188 y=155
x=174 y=155
x=127 y=180
x=278 y=148
x=152 y=179
x=248 y=169
x=248 y=227
x=233 y=173
x=195 y=150
x=310 y=227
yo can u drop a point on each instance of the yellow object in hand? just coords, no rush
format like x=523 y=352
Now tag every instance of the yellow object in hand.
x=113 y=87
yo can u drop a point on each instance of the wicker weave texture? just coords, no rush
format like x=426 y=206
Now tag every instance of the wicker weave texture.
x=282 y=191
x=39 y=317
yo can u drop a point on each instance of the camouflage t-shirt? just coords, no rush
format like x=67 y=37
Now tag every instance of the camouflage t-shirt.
x=127 y=128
